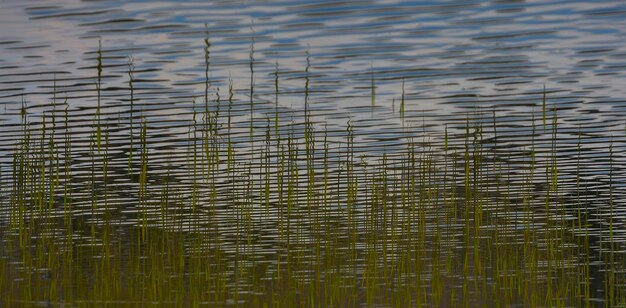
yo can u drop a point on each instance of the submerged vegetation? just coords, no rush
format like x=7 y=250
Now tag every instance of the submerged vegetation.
x=296 y=214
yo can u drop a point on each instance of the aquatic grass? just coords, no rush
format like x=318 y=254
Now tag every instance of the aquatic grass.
x=373 y=89
x=99 y=96
x=610 y=281
x=544 y=107
x=402 y=107
x=276 y=93
x=309 y=216
x=131 y=133
x=251 y=56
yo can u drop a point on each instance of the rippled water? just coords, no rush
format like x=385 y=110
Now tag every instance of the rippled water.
x=453 y=55
x=491 y=61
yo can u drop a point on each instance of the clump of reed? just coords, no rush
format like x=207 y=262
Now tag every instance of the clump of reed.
x=295 y=214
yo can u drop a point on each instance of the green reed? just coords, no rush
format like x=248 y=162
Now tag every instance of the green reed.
x=306 y=217
x=131 y=133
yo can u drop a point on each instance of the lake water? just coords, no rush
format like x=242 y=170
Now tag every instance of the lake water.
x=386 y=73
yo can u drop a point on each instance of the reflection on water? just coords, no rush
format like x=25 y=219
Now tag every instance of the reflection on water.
x=451 y=54
x=290 y=134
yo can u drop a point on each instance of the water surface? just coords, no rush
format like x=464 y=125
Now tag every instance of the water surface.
x=511 y=65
